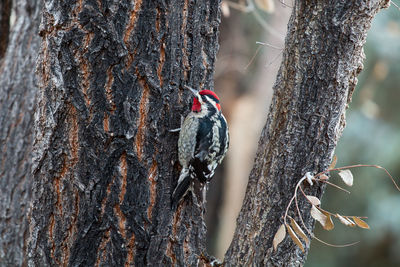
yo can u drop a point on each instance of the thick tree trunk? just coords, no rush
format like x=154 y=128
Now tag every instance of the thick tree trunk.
x=322 y=57
x=17 y=103
x=105 y=164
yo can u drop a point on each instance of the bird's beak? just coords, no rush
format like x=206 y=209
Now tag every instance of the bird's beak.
x=195 y=92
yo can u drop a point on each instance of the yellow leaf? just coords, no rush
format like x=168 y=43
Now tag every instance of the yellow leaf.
x=333 y=163
x=319 y=216
x=360 y=223
x=328 y=223
x=314 y=200
x=279 y=236
x=294 y=237
x=266 y=5
x=298 y=230
x=347 y=177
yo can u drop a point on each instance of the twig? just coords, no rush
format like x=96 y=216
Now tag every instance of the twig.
x=272 y=61
x=252 y=59
x=301 y=217
x=336 y=186
x=294 y=196
x=330 y=213
x=336 y=246
x=362 y=165
x=258 y=49
x=393 y=3
x=269 y=45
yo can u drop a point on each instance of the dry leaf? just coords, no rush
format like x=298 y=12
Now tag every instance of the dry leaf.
x=314 y=200
x=298 y=230
x=328 y=223
x=352 y=224
x=294 y=237
x=333 y=163
x=345 y=220
x=266 y=5
x=360 y=223
x=347 y=177
x=319 y=216
x=226 y=12
x=279 y=236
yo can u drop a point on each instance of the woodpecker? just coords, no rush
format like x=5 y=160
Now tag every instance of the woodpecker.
x=203 y=142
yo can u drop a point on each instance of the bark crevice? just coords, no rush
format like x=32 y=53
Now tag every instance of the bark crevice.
x=5 y=15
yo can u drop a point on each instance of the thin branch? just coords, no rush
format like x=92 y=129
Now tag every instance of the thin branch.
x=332 y=184
x=393 y=3
x=273 y=60
x=258 y=49
x=362 y=165
x=335 y=214
x=252 y=59
x=300 y=216
x=332 y=214
x=336 y=246
x=294 y=196
x=269 y=45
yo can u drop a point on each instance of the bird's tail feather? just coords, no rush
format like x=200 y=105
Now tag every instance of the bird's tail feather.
x=181 y=189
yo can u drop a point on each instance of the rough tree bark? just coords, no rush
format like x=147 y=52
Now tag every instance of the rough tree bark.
x=17 y=98
x=111 y=86
x=110 y=77
x=5 y=12
x=322 y=57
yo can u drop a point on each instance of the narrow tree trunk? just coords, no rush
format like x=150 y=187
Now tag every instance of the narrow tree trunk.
x=17 y=103
x=322 y=57
x=105 y=164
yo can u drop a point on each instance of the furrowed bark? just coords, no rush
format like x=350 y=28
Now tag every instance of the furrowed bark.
x=111 y=76
x=5 y=13
x=17 y=104
x=323 y=55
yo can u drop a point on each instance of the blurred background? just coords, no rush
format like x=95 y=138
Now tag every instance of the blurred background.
x=244 y=77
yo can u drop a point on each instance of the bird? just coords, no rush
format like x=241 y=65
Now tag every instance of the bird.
x=202 y=144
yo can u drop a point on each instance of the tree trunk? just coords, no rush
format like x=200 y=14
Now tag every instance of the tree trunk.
x=111 y=76
x=5 y=13
x=17 y=104
x=322 y=57
x=111 y=86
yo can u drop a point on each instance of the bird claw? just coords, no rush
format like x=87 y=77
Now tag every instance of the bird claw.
x=174 y=130
x=177 y=129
